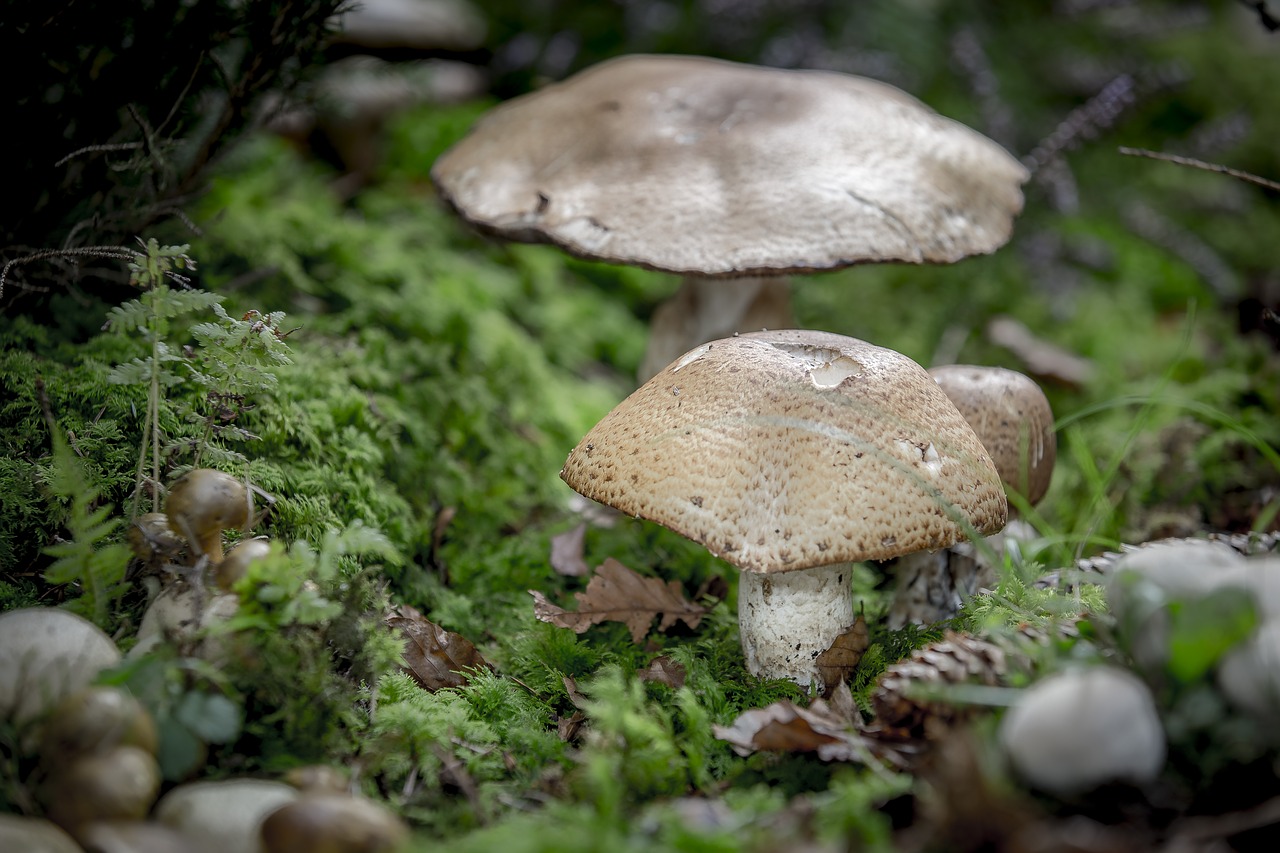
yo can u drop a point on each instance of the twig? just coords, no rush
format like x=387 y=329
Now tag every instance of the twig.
x=1201 y=164
x=112 y=146
x=1207 y=828
x=117 y=252
x=1098 y=113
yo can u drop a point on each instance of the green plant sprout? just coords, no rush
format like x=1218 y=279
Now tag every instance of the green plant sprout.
x=150 y=314
x=230 y=364
x=90 y=559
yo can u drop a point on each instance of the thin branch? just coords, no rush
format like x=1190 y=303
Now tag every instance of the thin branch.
x=173 y=111
x=1201 y=164
x=88 y=149
x=1099 y=113
x=117 y=252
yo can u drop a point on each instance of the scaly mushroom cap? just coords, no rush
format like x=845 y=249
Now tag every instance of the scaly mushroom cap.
x=1013 y=421
x=792 y=449
x=702 y=166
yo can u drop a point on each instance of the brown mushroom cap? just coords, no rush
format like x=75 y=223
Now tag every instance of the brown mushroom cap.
x=696 y=165
x=203 y=503
x=1012 y=418
x=792 y=449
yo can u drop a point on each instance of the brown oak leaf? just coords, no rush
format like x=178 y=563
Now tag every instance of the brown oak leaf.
x=436 y=658
x=837 y=663
x=617 y=594
x=828 y=728
x=566 y=552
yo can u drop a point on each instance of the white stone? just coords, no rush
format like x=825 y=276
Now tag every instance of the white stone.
x=34 y=835
x=225 y=815
x=1249 y=674
x=47 y=654
x=1181 y=569
x=1082 y=728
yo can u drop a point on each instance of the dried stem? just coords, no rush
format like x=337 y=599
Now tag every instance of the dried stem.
x=1201 y=164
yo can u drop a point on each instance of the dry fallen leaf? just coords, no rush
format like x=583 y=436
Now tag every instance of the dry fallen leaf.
x=436 y=658
x=830 y=729
x=664 y=670
x=575 y=696
x=617 y=594
x=567 y=728
x=566 y=552
x=837 y=663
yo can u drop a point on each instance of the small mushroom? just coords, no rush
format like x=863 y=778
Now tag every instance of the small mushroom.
x=791 y=454
x=1145 y=581
x=178 y=614
x=236 y=563
x=1012 y=418
x=202 y=504
x=413 y=25
x=1076 y=730
x=153 y=540
x=714 y=169
x=318 y=778
x=1014 y=422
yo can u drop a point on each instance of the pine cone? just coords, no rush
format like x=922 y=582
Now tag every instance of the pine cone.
x=903 y=715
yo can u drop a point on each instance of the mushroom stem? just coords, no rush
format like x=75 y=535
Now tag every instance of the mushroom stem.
x=787 y=619
x=706 y=309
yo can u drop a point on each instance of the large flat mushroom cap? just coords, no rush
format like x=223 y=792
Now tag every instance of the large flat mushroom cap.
x=696 y=165
x=792 y=449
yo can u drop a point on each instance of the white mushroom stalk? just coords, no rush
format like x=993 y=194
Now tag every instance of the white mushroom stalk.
x=791 y=454
x=787 y=619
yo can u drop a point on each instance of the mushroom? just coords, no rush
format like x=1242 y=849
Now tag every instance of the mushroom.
x=708 y=168
x=1014 y=422
x=202 y=504
x=153 y=541
x=1249 y=675
x=792 y=454
x=1012 y=418
x=234 y=566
